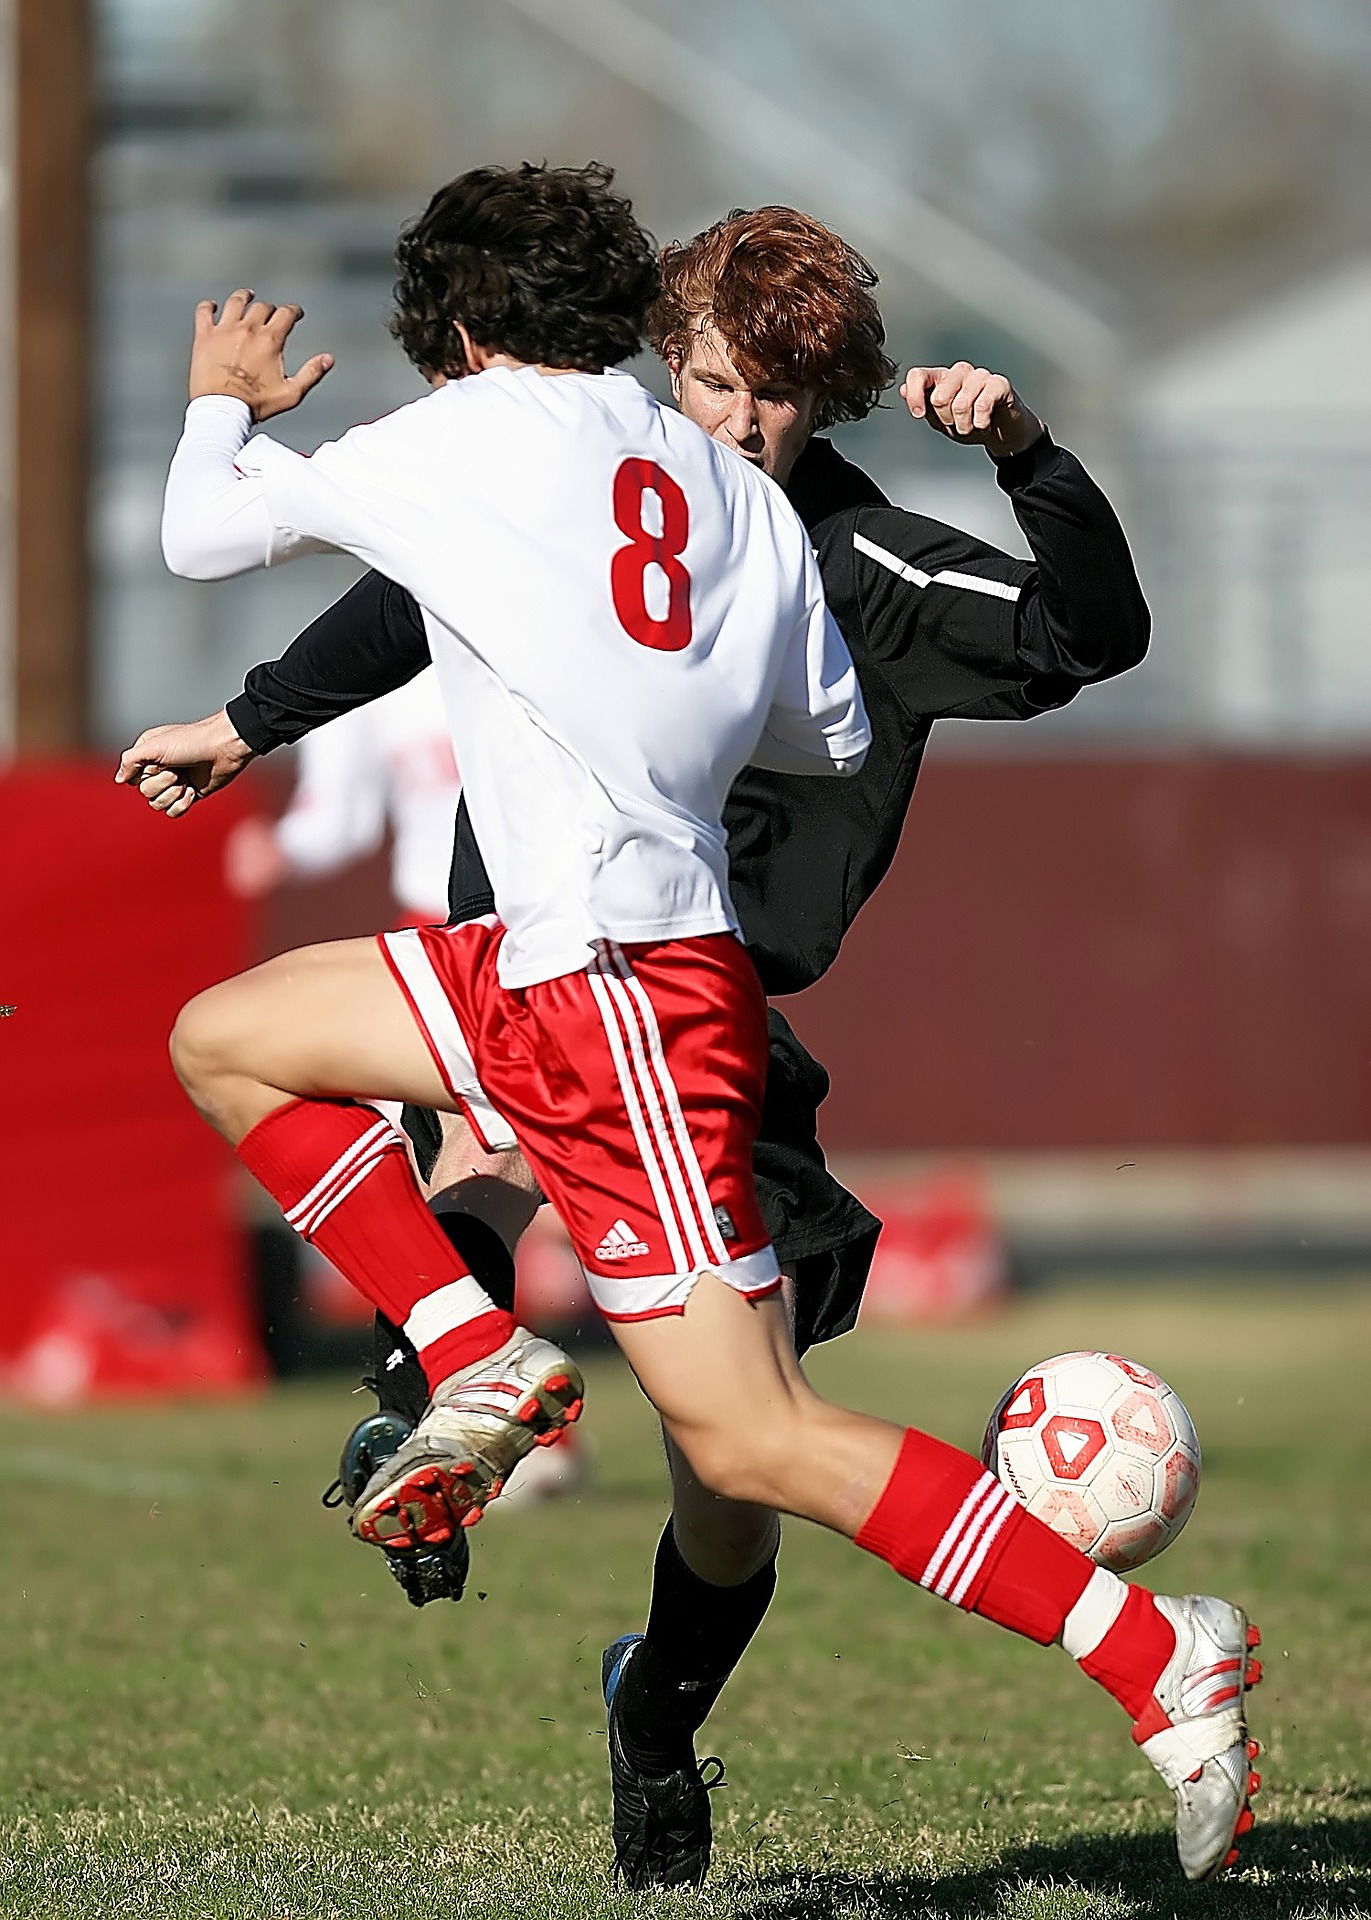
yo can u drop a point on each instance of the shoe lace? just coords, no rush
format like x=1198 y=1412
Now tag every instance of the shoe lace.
x=718 y=1779
x=332 y=1496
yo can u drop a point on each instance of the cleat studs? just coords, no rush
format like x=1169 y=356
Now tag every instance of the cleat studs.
x=1254 y=1638
x=1254 y=1673
x=1246 y=1822
x=1254 y=1747
x=1254 y=1784
x=1231 y=1859
x=573 y=1411
x=472 y=1516
x=1191 y=1778
x=557 y=1383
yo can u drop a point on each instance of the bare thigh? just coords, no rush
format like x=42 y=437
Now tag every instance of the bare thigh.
x=731 y=1394
x=322 y=1022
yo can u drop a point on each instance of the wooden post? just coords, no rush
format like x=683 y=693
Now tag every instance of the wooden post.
x=51 y=447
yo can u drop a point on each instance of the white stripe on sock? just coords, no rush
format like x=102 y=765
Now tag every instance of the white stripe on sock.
x=989 y=1534
x=446 y=1309
x=979 y=1493
x=308 y=1226
x=340 y=1165
x=970 y=1540
x=1094 y=1613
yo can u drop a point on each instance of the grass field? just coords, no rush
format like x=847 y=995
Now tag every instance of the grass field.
x=216 y=1704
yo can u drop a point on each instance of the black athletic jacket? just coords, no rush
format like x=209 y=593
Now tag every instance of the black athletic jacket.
x=939 y=625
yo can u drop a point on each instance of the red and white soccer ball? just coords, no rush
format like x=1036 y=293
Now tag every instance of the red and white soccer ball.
x=1100 y=1449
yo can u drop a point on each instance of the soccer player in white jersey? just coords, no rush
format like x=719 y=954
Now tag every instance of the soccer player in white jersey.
x=608 y=610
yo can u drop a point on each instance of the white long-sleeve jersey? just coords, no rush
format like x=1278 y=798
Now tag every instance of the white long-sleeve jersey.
x=622 y=615
x=389 y=763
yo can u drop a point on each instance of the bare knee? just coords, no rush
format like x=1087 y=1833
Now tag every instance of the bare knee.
x=200 y=1044
x=212 y=1049
x=744 y=1466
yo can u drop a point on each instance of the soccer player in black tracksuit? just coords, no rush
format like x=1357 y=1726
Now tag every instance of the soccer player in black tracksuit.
x=770 y=330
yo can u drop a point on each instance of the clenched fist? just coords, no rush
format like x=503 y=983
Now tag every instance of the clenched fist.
x=173 y=767
x=973 y=406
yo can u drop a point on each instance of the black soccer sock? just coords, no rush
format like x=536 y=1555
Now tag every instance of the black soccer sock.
x=696 y=1635
x=400 y=1383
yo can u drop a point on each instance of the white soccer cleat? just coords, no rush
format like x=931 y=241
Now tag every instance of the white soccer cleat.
x=557 y=1471
x=478 y=1426
x=1195 y=1730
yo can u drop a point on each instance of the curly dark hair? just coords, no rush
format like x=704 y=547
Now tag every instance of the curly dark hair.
x=544 y=263
x=792 y=301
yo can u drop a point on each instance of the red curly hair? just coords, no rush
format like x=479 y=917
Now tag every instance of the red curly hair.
x=792 y=301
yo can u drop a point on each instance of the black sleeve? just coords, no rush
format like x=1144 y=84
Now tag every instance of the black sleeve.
x=963 y=629
x=366 y=644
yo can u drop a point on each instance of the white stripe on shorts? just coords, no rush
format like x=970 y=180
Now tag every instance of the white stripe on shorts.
x=667 y=1155
x=632 y=985
x=645 y=1294
x=439 y=1020
x=599 y=987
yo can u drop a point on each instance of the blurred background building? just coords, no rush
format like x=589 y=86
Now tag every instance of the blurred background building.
x=1118 y=970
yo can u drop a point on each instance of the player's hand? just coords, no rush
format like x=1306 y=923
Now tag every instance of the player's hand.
x=241 y=352
x=973 y=406
x=173 y=767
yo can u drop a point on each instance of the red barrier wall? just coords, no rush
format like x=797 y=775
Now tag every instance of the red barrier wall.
x=116 y=1196
x=1097 y=952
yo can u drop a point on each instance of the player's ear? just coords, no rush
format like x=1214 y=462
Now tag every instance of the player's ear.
x=675 y=364
x=472 y=361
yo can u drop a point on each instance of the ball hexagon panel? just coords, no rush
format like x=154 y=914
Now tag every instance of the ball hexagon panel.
x=1070 y=1514
x=1141 y=1420
x=1142 y=1375
x=1025 y=1406
x=1122 y=1547
x=1125 y=1488
x=1180 y=1484
x=1073 y=1443
x=1086 y=1383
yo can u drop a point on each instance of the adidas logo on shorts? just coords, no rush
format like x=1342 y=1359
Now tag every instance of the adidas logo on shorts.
x=619 y=1243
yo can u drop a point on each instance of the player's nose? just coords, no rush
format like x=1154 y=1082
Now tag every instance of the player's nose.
x=744 y=421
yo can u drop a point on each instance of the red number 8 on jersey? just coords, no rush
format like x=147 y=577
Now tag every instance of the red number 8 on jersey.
x=628 y=569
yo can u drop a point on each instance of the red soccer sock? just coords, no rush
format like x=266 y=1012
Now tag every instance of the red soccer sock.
x=946 y=1523
x=1128 y=1657
x=342 y=1177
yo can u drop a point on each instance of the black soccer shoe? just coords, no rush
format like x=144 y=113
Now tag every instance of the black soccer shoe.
x=425 y=1573
x=662 y=1827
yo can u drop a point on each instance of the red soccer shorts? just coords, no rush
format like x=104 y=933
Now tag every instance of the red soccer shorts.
x=634 y=1090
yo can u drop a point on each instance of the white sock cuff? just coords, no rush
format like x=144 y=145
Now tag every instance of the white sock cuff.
x=1094 y=1613
x=446 y=1309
